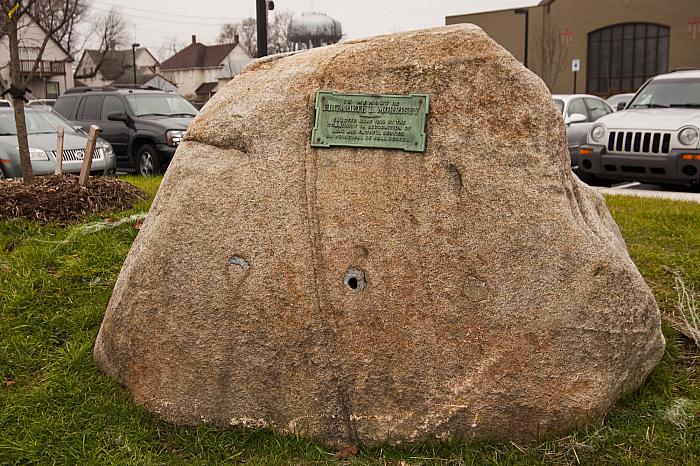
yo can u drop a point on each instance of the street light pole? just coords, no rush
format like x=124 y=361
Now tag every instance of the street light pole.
x=261 y=13
x=526 y=12
x=133 y=56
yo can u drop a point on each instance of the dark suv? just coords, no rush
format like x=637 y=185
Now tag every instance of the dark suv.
x=143 y=124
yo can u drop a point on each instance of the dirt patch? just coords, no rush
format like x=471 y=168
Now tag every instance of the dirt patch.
x=61 y=199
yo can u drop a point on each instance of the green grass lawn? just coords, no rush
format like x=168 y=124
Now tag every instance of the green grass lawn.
x=55 y=407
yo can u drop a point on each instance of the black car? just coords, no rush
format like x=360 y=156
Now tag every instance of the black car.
x=143 y=124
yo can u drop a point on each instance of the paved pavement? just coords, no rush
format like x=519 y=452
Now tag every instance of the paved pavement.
x=649 y=190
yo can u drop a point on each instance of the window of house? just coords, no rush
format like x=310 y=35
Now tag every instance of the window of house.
x=52 y=90
x=28 y=53
x=623 y=56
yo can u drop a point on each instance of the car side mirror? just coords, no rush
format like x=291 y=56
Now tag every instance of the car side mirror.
x=621 y=106
x=116 y=116
x=576 y=118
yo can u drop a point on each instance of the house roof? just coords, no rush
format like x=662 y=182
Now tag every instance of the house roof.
x=116 y=63
x=198 y=55
x=206 y=88
x=141 y=78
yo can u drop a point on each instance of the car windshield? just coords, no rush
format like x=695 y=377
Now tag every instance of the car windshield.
x=616 y=99
x=168 y=105
x=559 y=104
x=39 y=121
x=666 y=93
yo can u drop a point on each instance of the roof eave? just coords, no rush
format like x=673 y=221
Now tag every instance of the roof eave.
x=541 y=3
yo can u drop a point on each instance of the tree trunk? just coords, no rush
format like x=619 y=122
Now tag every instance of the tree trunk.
x=18 y=103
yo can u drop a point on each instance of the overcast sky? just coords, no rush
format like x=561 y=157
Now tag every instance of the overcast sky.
x=153 y=21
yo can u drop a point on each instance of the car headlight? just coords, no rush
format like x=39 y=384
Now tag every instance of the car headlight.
x=37 y=154
x=107 y=149
x=689 y=136
x=598 y=133
x=174 y=136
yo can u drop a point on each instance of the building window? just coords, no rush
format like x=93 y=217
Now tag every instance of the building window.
x=28 y=53
x=51 y=90
x=623 y=56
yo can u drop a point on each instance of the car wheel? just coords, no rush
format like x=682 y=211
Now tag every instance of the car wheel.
x=148 y=161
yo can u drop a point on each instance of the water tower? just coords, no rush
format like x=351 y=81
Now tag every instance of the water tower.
x=314 y=30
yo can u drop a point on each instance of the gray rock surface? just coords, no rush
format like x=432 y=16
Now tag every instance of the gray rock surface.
x=499 y=300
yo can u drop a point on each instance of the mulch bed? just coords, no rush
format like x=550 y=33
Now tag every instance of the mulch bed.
x=60 y=198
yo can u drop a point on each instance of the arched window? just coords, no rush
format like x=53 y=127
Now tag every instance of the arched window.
x=621 y=57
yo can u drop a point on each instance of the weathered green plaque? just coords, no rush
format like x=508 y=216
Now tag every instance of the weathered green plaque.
x=370 y=120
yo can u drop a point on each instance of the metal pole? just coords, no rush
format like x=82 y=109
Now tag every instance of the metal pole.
x=575 y=76
x=133 y=55
x=261 y=13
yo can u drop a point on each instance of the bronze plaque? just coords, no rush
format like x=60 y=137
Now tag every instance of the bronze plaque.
x=370 y=120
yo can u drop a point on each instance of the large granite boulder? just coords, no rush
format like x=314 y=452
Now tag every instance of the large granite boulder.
x=359 y=295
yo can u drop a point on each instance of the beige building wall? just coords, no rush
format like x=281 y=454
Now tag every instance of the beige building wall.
x=578 y=18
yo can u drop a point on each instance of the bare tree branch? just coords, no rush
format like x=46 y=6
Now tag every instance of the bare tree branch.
x=111 y=28
x=47 y=15
x=550 y=51
x=277 y=36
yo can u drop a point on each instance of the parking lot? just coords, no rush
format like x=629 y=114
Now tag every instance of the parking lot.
x=650 y=190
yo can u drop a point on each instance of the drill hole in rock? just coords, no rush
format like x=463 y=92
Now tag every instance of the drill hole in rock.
x=355 y=279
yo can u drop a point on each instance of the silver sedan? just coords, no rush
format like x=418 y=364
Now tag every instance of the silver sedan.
x=42 y=129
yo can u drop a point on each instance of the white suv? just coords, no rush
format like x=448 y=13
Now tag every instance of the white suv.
x=656 y=138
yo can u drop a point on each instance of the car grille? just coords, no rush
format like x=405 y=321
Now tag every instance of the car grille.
x=77 y=155
x=639 y=142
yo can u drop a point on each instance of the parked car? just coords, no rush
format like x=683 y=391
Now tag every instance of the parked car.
x=143 y=124
x=4 y=103
x=42 y=129
x=619 y=101
x=656 y=139
x=580 y=111
x=45 y=102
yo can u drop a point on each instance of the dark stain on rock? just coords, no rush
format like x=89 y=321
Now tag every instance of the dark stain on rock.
x=361 y=251
x=456 y=175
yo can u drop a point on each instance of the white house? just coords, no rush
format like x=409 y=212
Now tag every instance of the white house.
x=53 y=75
x=96 y=68
x=198 y=70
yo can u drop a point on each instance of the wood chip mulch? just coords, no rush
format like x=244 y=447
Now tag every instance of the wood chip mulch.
x=60 y=198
